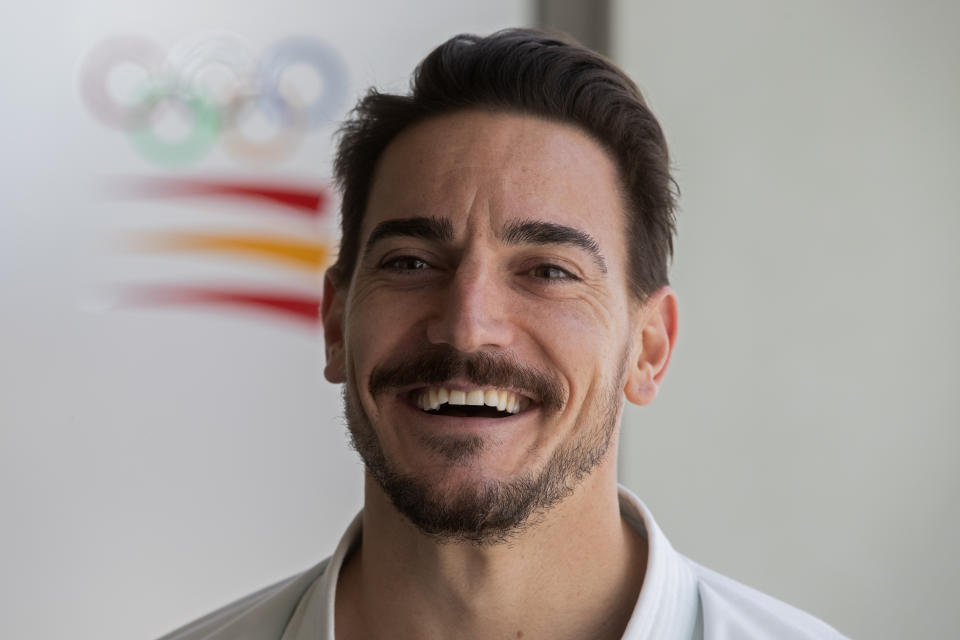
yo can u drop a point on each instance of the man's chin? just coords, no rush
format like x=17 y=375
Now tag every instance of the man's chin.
x=454 y=494
x=463 y=504
x=446 y=482
x=454 y=452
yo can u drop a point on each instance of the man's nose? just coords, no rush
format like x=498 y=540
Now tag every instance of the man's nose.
x=473 y=314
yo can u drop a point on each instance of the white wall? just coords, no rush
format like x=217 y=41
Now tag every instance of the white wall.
x=156 y=463
x=806 y=441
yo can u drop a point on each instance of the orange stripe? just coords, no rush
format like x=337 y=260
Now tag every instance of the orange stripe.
x=296 y=252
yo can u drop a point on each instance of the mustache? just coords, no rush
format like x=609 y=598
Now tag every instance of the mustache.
x=440 y=363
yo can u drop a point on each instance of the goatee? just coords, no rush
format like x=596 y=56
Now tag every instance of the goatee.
x=485 y=512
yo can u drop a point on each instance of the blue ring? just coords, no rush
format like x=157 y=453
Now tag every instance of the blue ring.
x=322 y=58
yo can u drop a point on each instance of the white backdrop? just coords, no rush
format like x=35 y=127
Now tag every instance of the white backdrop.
x=806 y=440
x=157 y=462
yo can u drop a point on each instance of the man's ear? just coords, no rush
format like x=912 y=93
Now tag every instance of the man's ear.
x=655 y=335
x=332 y=310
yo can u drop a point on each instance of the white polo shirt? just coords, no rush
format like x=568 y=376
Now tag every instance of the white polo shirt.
x=679 y=600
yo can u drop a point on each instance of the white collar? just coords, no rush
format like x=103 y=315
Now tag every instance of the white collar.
x=666 y=609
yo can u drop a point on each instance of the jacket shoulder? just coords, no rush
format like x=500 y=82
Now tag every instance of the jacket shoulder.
x=262 y=615
x=730 y=610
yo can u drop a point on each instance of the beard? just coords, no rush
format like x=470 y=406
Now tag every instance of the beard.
x=487 y=512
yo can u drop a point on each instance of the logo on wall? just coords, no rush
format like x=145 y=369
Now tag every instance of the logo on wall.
x=177 y=105
x=213 y=90
x=306 y=255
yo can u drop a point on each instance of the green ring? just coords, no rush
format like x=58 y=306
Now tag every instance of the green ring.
x=206 y=126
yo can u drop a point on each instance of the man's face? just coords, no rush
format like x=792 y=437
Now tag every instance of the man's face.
x=491 y=269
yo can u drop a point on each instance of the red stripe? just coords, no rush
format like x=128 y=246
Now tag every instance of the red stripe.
x=311 y=201
x=295 y=306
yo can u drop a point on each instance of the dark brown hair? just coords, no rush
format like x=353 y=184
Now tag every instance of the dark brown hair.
x=532 y=72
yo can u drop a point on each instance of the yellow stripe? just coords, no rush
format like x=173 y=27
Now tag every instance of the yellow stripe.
x=296 y=252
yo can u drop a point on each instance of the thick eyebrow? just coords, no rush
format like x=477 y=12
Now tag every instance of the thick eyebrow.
x=541 y=232
x=434 y=229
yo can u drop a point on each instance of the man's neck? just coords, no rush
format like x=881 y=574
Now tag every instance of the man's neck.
x=575 y=574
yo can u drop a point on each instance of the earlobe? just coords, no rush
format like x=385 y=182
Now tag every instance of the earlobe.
x=654 y=339
x=332 y=310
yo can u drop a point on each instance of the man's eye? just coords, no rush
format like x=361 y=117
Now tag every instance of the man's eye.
x=552 y=272
x=405 y=263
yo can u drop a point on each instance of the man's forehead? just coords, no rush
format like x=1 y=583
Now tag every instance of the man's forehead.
x=503 y=166
x=499 y=135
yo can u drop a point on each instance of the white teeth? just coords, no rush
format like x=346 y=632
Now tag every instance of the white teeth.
x=432 y=397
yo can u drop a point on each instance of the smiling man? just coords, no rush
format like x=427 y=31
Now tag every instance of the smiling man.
x=500 y=291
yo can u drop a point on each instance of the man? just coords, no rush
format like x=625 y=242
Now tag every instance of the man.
x=501 y=287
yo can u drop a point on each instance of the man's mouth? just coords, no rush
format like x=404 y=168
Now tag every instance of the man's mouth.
x=473 y=403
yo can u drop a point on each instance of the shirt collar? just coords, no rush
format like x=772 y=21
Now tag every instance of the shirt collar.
x=666 y=609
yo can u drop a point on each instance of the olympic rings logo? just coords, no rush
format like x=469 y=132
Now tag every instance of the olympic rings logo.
x=216 y=84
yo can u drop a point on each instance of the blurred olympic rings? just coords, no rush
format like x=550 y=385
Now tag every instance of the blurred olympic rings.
x=216 y=83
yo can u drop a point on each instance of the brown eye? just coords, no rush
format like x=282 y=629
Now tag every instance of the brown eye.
x=551 y=272
x=404 y=264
